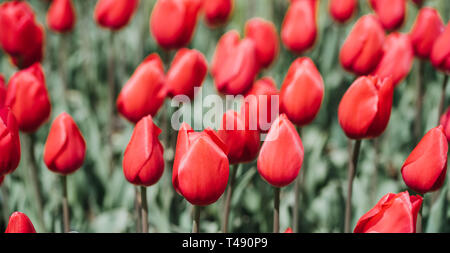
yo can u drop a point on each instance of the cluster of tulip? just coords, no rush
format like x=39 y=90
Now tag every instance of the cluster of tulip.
x=201 y=165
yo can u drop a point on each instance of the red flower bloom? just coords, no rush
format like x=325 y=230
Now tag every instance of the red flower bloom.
x=445 y=122
x=217 y=12
x=288 y=231
x=264 y=34
x=2 y=91
x=114 y=14
x=342 y=10
x=426 y=30
x=61 y=16
x=440 y=54
x=9 y=142
x=390 y=12
x=19 y=223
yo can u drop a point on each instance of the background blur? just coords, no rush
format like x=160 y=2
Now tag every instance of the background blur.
x=102 y=200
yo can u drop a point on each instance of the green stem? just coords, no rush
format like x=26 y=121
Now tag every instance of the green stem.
x=276 y=210
x=298 y=183
x=442 y=101
x=144 y=209
x=5 y=202
x=137 y=209
x=226 y=212
x=35 y=181
x=419 y=101
x=351 y=175
x=196 y=220
x=65 y=205
x=111 y=97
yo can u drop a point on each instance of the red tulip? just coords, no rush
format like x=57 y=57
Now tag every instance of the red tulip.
x=242 y=142
x=440 y=54
x=9 y=142
x=425 y=168
x=281 y=155
x=397 y=59
x=217 y=12
x=426 y=30
x=363 y=48
x=173 y=22
x=143 y=161
x=234 y=66
x=144 y=92
x=365 y=108
x=394 y=213
x=28 y=98
x=188 y=70
x=65 y=147
x=390 y=12
x=445 y=122
x=299 y=28
x=19 y=223
x=61 y=16
x=302 y=92
x=114 y=14
x=2 y=91
x=264 y=34
x=288 y=231
x=201 y=181
x=342 y=10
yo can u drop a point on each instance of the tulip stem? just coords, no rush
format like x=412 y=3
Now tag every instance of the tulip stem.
x=351 y=175
x=298 y=183
x=35 y=181
x=276 y=210
x=419 y=227
x=144 y=209
x=64 y=39
x=419 y=101
x=111 y=96
x=5 y=203
x=137 y=208
x=65 y=205
x=442 y=101
x=226 y=212
x=196 y=220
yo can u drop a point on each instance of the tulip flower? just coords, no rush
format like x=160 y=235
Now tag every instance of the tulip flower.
x=234 y=65
x=427 y=28
x=264 y=34
x=394 y=213
x=390 y=12
x=9 y=142
x=114 y=14
x=342 y=10
x=2 y=91
x=144 y=92
x=61 y=16
x=445 y=122
x=440 y=54
x=188 y=70
x=288 y=231
x=217 y=12
x=299 y=28
x=173 y=22
x=20 y=223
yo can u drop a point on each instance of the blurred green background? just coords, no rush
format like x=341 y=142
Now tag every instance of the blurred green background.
x=101 y=200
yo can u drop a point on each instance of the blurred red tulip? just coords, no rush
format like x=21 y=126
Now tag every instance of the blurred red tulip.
x=9 y=142
x=302 y=92
x=397 y=59
x=445 y=122
x=342 y=10
x=391 y=12
x=28 y=98
x=173 y=22
x=288 y=231
x=1 y=179
x=425 y=168
x=201 y=181
x=281 y=155
x=264 y=34
x=365 y=108
x=440 y=54
x=426 y=30
x=234 y=66
x=143 y=161
x=217 y=12
x=299 y=28
x=114 y=14
x=65 y=147
x=394 y=213
x=2 y=91
x=61 y=16
x=144 y=92
x=188 y=70
x=20 y=223
x=363 y=48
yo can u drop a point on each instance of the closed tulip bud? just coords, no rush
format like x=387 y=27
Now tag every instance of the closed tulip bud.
x=20 y=223
x=2 y=91
x=264 y=34
x=217 y=12
x=61 y=16
x=445 y=122
x=365 y=108
x=188 y=70
x=425 y=168
x=28 y=98
x=201 y=181
x=363 y=48
x=397 y=59
x=342 y=10
x=9 y=142
x=394 y=213
x=173 y=22
x=426 y=30
x=234 y=65
x=281 y=155
x=391 y=12
x=143 y=162
x=299 y=28
x=302 y=92
x=114 y=14
x=288 y=231
x=65 y=147
x=144 y=92
x=440 y=54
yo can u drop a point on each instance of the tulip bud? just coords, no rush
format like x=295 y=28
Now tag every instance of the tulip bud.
x=61 y=16
x=425 y=168
x=363 y=48
x=217 y=12
x=288 y=231
x=9 y=142
x=2 y=91
x=201 y=181
x=188 y=70
x=264 y=34
x=440 y=54
x=445 y=122
x=28 y=98
x=302 y=92
x=426 y=30
x=299 y=28
x=65 y=147
x=394 y=213
x=281 y=155
x=144 y=92
x=143 y=162
x=234 y=65
x=342 y=10
x=20 y=223
x=173 y=22
x=397 y=59
x=390 y=12
x=365 y=108
x=114 y=14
